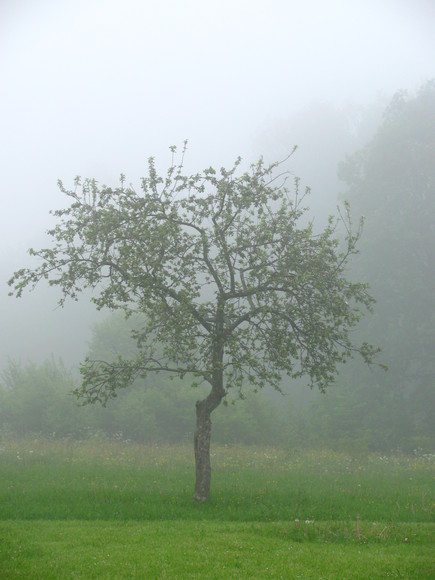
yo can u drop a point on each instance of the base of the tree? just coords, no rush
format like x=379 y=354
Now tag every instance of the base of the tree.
x=200 y=499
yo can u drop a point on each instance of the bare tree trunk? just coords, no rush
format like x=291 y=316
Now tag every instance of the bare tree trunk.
x=202 y=439
x=204 y=410
x=202 y=451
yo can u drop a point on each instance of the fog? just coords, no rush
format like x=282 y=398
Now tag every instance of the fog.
x=95 y=87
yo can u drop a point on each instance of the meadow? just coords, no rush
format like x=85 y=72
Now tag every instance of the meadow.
x=117 y=509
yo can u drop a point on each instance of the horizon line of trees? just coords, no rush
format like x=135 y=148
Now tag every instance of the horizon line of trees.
x=36 y=400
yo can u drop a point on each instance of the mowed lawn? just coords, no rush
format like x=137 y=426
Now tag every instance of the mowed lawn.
x=114 y=509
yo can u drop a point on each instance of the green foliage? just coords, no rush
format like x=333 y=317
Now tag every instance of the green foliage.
x=229 y=287
x=37 y=399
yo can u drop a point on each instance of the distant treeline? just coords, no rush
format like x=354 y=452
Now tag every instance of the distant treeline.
x=37 y=400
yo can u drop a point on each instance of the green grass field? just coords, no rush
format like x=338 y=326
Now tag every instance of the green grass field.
x=113 y=509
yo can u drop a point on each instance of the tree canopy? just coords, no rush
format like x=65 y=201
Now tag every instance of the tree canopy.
x=235 y=289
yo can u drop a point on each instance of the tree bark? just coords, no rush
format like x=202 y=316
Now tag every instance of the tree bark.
x=205 y=408
x=202 y=440
x=202 y=451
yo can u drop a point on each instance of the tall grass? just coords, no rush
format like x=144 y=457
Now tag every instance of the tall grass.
x=116 y=480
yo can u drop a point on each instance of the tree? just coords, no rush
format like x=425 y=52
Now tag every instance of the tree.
x=392 y=182
x=37 y=399
x=234 y=291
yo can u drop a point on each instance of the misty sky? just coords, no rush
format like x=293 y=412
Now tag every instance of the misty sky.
x=94 y=87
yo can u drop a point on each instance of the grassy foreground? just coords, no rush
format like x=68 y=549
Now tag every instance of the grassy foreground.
x=100 y=509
